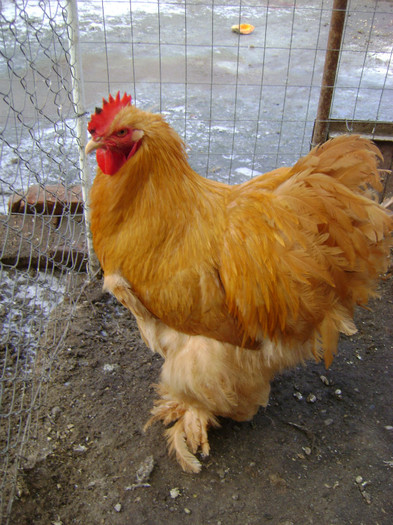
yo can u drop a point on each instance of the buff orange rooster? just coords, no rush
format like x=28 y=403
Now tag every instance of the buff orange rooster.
x=231 y=284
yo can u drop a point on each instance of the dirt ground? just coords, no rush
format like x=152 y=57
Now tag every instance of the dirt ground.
x=321 y=452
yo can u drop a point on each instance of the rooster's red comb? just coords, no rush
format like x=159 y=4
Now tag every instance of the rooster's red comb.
x=102 y=117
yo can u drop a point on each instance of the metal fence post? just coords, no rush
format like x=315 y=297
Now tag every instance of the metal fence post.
x=330 y=70
x=81 y=122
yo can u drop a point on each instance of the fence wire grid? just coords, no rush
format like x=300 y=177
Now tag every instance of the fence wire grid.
x=244 y=104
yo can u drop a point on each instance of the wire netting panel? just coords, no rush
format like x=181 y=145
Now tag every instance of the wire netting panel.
x=364 y=84
x=244 y=104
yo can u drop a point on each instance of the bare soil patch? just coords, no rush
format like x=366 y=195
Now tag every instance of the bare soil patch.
x=320 y=453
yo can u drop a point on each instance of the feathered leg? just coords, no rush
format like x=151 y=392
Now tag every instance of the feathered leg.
x=188 y=434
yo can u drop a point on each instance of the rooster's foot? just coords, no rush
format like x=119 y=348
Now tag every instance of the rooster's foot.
x=188 y=434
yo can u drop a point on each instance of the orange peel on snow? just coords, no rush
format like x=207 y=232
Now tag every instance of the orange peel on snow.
x=243 y=29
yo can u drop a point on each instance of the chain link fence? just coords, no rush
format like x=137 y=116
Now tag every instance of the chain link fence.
x=243 y=103
x=42 y=232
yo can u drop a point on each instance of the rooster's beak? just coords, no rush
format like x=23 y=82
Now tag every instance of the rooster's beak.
x=91 y=146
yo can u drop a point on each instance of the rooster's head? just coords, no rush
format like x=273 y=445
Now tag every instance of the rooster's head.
x=113 y=138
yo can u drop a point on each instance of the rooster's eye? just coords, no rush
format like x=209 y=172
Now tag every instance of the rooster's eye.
x=121 y=133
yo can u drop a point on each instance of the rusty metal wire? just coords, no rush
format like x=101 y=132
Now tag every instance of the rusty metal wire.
x=243 y=103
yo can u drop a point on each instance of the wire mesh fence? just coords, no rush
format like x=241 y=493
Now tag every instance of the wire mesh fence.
x=244 y=104
x=39 y=243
